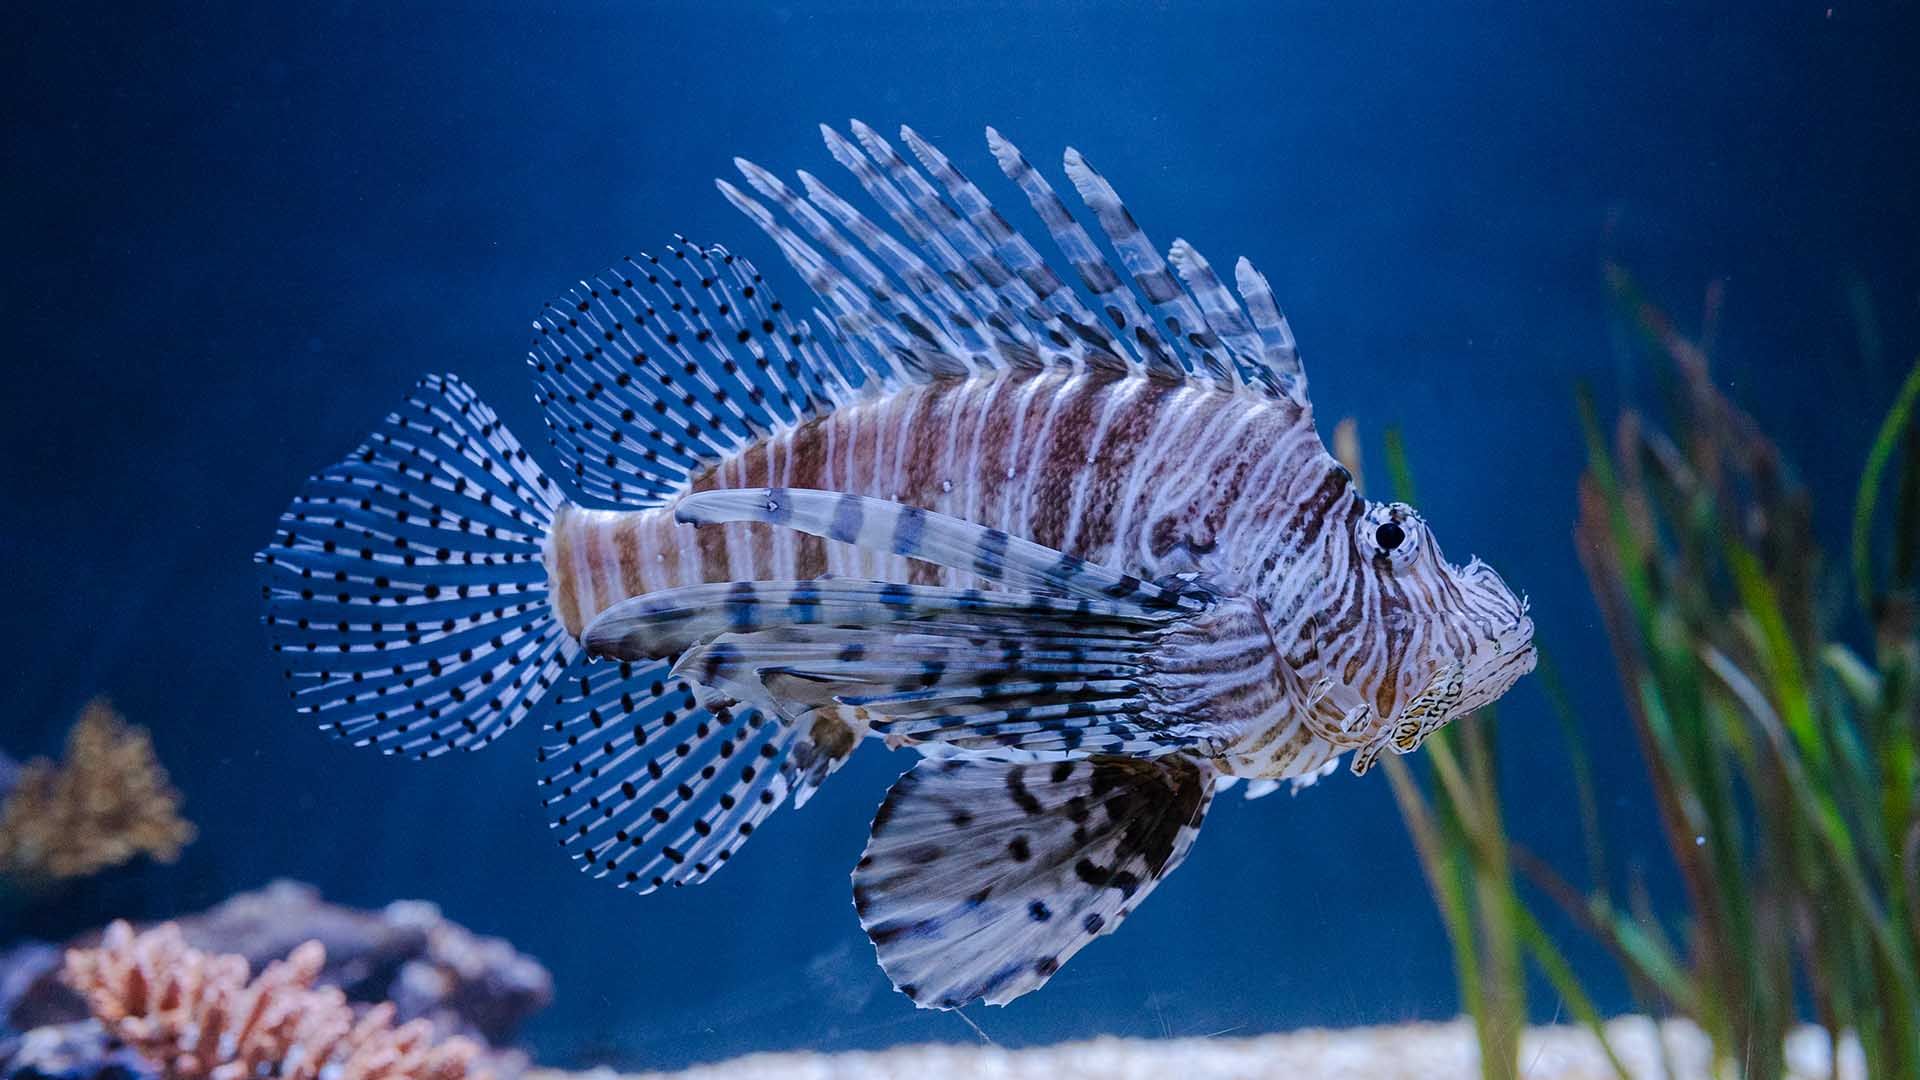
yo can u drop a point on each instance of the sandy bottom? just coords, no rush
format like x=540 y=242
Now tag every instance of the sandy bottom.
x=1413 y=1052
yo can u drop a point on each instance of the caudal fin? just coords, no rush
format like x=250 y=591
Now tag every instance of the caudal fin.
x=405 y=587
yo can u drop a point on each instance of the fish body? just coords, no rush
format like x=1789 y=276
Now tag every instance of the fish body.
x=1152 y=477
x=1081 y=548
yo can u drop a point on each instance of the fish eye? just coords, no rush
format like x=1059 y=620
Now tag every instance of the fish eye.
x=1389 y=535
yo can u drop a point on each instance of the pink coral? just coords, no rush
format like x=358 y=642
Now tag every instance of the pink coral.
x=198 y=1017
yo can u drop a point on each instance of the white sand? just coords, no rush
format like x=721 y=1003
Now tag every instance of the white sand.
x=1410 y=1052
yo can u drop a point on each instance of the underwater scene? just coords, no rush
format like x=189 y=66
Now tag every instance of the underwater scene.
x=994 y=539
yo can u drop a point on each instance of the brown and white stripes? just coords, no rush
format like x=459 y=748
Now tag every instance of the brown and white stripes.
x=1148 y=476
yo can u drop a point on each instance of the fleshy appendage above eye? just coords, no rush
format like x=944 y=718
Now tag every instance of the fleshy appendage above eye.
x=1392 y=531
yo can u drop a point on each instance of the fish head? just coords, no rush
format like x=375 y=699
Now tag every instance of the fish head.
x=1451 y=639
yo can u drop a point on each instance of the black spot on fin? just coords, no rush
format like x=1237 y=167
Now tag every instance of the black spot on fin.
x=649 y=780
x=982 y=878
x=667 y=363
x=405 y=592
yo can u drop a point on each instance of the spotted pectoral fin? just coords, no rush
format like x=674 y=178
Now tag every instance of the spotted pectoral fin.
x=981 y=878
x=982 y=671
x=1063 y=657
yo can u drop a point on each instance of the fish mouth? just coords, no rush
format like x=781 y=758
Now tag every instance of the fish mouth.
x=1510 y=655
x=1453 y=690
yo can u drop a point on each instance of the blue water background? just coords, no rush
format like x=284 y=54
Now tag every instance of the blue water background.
x=235 y=235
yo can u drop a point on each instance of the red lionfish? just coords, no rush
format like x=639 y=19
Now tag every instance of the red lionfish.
x=1082 y=548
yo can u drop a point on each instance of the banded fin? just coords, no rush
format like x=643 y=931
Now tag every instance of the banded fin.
x=1096 y=274
x=404 y=586
x=667 y=622
x=1223 y=315
x=1278 y=353
x=868 y=306
x=1021 y=695
x=653 y=781
x=1177 y=312
x=1123 y=667
x=993 y=555
x=989 y=672
x=981 y=879
x=977 y=292
x=955 y=318
x=665 y=364
x=1024 y=276
x=958 y=248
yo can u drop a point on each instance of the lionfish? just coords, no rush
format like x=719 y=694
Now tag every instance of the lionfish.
x=1079 y=546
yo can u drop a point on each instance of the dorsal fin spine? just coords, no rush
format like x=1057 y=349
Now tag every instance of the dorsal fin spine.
x=1099 y=276
x=955 y=315
x=895 y=307
x=851 y=314
x=1220 y=309
x=959 y=251
x=1142 y=260
x=1279 y=351
x=987 y=238
x=967 y=292
x=1058 y=305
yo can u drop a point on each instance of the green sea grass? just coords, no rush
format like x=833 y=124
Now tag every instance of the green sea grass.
x=1777 y=712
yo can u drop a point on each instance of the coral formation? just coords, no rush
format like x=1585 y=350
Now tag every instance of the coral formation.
x=429 y=966
x=107 y=802
x=198 y=1016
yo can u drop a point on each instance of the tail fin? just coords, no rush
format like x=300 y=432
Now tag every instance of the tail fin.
x=405 y=586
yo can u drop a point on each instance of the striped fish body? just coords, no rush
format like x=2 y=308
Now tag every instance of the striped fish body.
x=1147 y=476
x=1080 y=545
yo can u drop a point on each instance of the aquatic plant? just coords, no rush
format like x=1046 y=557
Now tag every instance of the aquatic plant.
x=105 y=803
x=1783 y=761
x=198 y=1016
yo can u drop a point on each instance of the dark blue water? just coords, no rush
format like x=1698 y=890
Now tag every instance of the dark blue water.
x=235 y=236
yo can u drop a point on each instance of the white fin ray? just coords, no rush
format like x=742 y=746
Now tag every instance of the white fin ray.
x=1098 y=275
x=1178 y=314
x=921 y=232
x=1280 y=354
x=875 y=347
x=891 y=311
x=990 y=243
x=669 y=621
x=966 y=247
x=992 y=671
x=977 y=292
x=1071 y=325
x=654 y=781
x=955 y=314
x=1222 y=312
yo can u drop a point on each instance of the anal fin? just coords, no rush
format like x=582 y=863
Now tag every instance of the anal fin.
x=982 y=878
x=651 y=780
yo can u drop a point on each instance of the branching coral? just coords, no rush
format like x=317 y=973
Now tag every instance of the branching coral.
x=198 y=1017
x=106 y=803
